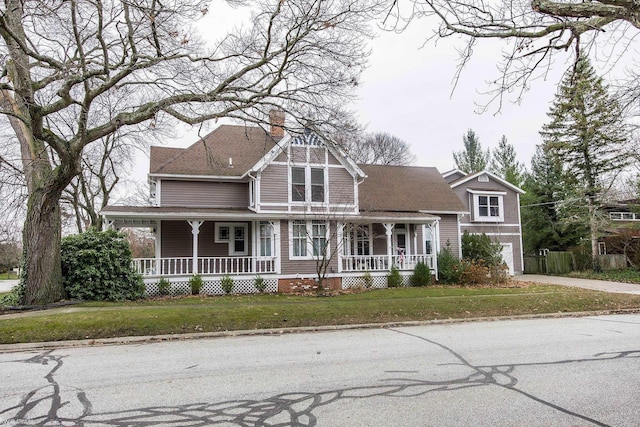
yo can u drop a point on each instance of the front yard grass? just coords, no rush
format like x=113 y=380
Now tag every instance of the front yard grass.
x=238 y=312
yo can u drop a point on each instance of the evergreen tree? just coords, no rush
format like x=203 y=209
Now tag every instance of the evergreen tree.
x=504 y=163
x=588 y=134
x=541 y=205
x=472 y=158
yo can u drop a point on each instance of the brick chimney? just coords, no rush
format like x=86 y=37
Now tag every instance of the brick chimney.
x=276 y=120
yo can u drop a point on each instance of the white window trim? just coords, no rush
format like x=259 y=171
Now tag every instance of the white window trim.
x=309 y=240
x=231 y=240
x=307 y=185
x=476 y=206
x=271 y=238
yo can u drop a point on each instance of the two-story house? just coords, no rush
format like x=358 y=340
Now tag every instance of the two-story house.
x=244 y=201
x=493 y=208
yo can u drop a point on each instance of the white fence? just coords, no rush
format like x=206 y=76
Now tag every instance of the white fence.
x=381 y=262
x=212 y=265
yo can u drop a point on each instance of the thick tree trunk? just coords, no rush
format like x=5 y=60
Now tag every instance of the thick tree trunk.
x=41 y=239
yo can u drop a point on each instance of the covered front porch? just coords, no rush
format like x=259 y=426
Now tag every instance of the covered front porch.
x=243 y=245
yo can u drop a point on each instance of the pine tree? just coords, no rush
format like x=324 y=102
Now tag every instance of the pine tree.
x=588 y=134
x=504 y=163
x=472 y=158
x=541 y=205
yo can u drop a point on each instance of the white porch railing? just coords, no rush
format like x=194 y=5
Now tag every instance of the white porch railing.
x=381 y=262
x=206 y=266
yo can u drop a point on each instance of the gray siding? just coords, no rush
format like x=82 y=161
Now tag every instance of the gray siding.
x=510 y=199
x=379 y=239
x=274 y=185
x=204 y=194
x=304 y=268
x=176 y=239
x=341 y=186
x=449 y=232
x=332 y=159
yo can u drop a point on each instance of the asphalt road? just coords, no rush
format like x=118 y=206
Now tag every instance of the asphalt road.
x=560 y=372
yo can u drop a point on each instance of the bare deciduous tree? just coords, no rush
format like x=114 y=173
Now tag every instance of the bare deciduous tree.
x=377 y=148
x=75 y=72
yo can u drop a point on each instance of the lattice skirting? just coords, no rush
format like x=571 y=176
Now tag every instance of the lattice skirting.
x=241 y=285
x=246 y=285
x=376 y=282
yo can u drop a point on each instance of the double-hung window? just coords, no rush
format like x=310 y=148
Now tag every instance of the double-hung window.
x=307 y=184
x=266 y=239
x=308 y=238
x=298 y=184
x=319 y=237
x=362 y=240
x=488 y=207
x=299 y=238
x=317 y=185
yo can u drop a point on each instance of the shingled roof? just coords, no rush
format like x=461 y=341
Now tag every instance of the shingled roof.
x=406 y=189
x=209 y=156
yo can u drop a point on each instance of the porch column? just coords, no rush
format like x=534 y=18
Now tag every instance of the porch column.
x=435 y=244
x=275 y=226
x=415 y=259
x=195 y=230
x=157 y=233
x=389 y=232
x=340 y=243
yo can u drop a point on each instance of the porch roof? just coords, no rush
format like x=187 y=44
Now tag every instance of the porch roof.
x=146 y=216
x=401 y=189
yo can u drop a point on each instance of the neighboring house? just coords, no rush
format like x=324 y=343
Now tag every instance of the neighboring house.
x=493 y=208
x=245 y=202
x=622 y=230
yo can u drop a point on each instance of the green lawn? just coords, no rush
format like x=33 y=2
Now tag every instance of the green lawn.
x=208 y=314
x=8 y=275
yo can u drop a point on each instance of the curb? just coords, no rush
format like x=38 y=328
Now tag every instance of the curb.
x=53 y=345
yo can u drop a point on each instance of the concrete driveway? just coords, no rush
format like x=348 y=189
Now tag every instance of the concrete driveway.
x=6 y=285
x=596 y=285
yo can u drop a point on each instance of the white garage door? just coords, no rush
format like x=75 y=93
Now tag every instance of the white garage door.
x=507 y=256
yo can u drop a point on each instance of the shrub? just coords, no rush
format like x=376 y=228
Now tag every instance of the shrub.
x=480 y=247
x=258 y=283
x=96 y=266
x=368 y=280
x=14 y=297
x=394 y=279
x=227 y=284
x=164 y=286
x=474 y=273
x=195 y=283
x=449 y=267
x=421 y=275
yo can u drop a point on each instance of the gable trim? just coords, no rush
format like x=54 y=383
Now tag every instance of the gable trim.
x=492 y=176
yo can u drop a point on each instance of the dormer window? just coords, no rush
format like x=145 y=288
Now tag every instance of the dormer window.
x=488 y=206
x=307 y=184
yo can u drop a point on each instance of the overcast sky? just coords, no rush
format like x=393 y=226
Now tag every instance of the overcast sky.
x=407 y=92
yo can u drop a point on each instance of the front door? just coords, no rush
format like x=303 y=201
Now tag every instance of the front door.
x=400 y=243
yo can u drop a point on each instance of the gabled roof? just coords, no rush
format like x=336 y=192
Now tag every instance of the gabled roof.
x=406 y=189
x=453 y=172
x=494 y=177
x=244 y=145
